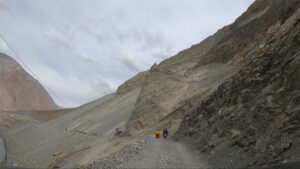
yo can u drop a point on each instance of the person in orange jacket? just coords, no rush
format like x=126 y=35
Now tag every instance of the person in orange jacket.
x=157 y=134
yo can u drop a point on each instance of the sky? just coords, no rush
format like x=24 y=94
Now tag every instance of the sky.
x=81 y=50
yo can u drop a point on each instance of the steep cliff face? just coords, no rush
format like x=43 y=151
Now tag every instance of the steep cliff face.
x=254 y=117
x=19 y=90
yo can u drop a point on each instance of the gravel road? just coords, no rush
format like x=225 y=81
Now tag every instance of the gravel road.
x=161 y=153
x=150 y=152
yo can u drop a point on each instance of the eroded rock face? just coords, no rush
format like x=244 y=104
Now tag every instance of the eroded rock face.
x=19 y=90
x=257 y=110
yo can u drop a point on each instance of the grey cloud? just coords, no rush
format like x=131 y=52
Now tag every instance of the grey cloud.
x=84 y=56
x=130 y=62
x=4 y=7
x=73 y=90
x=103 y=86
x=154 y=39
x=98 y=33
x=137 y=41
x=59 y=37
x=62 y=39
x=162 y=53
x=124 y=35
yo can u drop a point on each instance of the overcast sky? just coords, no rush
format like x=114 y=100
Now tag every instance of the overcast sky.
x=84 y=49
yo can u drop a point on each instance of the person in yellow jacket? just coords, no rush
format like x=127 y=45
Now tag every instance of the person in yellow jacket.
x=157 y=134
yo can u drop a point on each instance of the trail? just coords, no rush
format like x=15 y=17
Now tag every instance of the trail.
x=161 y=153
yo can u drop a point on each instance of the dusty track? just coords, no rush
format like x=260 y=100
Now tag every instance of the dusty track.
x=161 y=153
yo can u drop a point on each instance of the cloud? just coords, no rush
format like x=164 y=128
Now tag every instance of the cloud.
x=71 y=90
x=133 y=47
x=162 y=53
x=104 y=86
x=4 y=7
x=84 y=56
x=130 y=62
x=62 y=39
x=58 y=36
x=98 y=33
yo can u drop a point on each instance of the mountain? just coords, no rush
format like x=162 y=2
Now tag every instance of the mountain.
x=19 y=90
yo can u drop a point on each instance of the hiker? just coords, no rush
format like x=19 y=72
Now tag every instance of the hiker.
x=165 y=133
x=157 y=134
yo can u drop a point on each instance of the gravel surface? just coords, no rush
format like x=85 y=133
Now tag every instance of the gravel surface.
x=149 y=153
x=161 y=153
x=128 y=153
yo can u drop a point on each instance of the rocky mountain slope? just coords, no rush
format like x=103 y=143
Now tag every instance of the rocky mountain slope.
x=254 y=117
x=19 y=90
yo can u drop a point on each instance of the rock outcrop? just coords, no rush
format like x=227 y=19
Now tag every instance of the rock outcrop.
x=19 y=90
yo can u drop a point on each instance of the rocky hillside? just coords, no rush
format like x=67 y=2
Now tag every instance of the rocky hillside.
x=19 y=90
x=253 y=118
x=180 y=83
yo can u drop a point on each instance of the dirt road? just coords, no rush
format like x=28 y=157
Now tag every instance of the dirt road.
x=161 y=153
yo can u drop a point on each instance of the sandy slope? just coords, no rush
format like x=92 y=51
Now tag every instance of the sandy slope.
x=70 y=137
